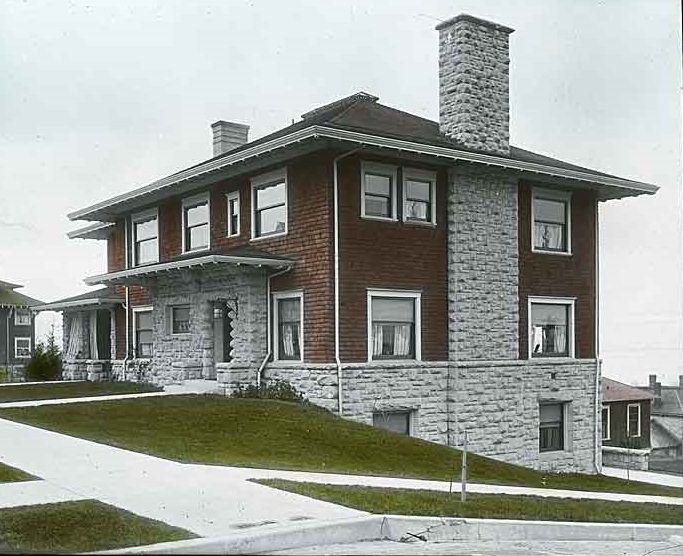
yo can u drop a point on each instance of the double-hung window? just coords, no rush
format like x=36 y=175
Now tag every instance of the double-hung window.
x=145 y=227
x=196 y=223
x=22 y=317
x=551 y=427
x=233 y=214
x=606 y=422
x=143 y=332
x=633 y=420
x=22 y=348
x=180 y=319
x=269 y=204
x=288 y=318
x=393 y=325
x=551 y=222
x=378 y=191
x=551 y=322
x=419 y=196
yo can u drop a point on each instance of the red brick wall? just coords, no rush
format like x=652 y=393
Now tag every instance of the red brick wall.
x=308 y=241
x=120 y=331
x=170 y=229
x=560 y=275
x=115 y=248
x=390 y=255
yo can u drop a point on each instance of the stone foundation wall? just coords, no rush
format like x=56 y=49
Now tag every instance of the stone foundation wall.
x=497 y=403
x=318 y=383
x=137 y=370
x=626 y=459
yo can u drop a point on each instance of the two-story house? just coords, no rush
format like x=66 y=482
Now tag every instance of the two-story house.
x=17 y=329
x=427 y=277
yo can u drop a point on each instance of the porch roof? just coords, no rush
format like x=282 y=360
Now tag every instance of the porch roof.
x=130 y=275
x=102 y=297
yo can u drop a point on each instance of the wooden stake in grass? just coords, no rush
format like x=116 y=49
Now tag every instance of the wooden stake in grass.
x=463 y=477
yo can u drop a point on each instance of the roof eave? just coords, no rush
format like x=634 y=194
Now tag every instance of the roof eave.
x=99 y=230
x=94 y=302
x=625 y=187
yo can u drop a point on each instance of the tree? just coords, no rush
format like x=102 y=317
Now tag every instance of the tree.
x=46 y=363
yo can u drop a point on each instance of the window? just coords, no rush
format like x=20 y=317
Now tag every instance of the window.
x=233 y=216
x=394 y=421
x=419 y=196
x=378 y=191
x=551 y=215
x=551 y=427
x=180 y=320
x=633 y=420
x=605 y=422
x=393 y=325
x=269 y=204
x=22 y=317
x=551 y=324
x=196 y=223
x=22 y=348
x=289 y=313
x=143 y=332
x=145 y=238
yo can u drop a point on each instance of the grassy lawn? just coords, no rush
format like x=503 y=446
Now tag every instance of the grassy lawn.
x=82 y=526
x=492 y=506
x=11 y=475
x=272 y=434
x=23 y=392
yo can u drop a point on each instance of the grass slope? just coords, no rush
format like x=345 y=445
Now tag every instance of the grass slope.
x=82 y=526
x=11 y=475
x=489 y=506
x=24 y=392
x=272 y=434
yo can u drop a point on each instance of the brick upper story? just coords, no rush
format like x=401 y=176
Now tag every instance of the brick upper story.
x=374 y=253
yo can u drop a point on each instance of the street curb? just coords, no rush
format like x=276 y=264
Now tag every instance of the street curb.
x=395 y=527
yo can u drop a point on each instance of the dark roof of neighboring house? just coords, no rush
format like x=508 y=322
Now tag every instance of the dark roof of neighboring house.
x=613 y=391
x=362 y=114
x=11 y=298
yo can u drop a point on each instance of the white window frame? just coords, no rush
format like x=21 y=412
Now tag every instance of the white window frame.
x=16 y=349
x=383 y=169
x=628 y=420
x=417 y=297
x=419 y=175
x=141 y=309
x=17 y=313
x=567 y=425
x=609 y=422
x=144 y=215
x=232 y=196
x=571 y=325
x=552 y=195
x=260 y=181
x=194 y=201
x=276 y=297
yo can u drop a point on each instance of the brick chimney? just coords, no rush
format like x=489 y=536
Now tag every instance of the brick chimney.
x=228 y=136
x=474 y=83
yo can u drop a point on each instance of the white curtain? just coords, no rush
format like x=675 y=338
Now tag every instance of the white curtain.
x=288 y=340
x=537 y=339
x=93 y=335
x=75 y=332
x=560 y=339
x=401 y=340
x=548 y=236
x=377 y=340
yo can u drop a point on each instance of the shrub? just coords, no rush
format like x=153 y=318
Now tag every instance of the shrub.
x=46 y=362
x=277 y=389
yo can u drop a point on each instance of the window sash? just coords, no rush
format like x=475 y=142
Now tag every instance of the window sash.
x=393 y=327
x=289 y=328
x=380 y=197
x=233 y=219
x=393 y=421
x=180 y=320
x=633 y=420
x=551 y=427
x=196 y=223
x=22 y=348
x=605 y=423
x=550 y=224
x=418 y=203
x=551 y=329
x=270 y=195
x=22 y=317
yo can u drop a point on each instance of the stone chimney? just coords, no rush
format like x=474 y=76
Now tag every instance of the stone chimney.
x=228 y=136
x=474 y=83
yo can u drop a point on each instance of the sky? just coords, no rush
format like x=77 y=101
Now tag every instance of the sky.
x=99 y=97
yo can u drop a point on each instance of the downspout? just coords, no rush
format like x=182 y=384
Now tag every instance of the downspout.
x=127 y=307
x=269 y=341
x=337 y=358
x=598 y=369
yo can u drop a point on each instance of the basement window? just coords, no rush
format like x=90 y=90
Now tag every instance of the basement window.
x=393 y=421
x=551 y=218
x=378 y=191
x=551 y=427
x=22 y=348
x=633 y=420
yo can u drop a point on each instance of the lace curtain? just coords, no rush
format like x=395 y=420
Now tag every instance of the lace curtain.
x=548 y=236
